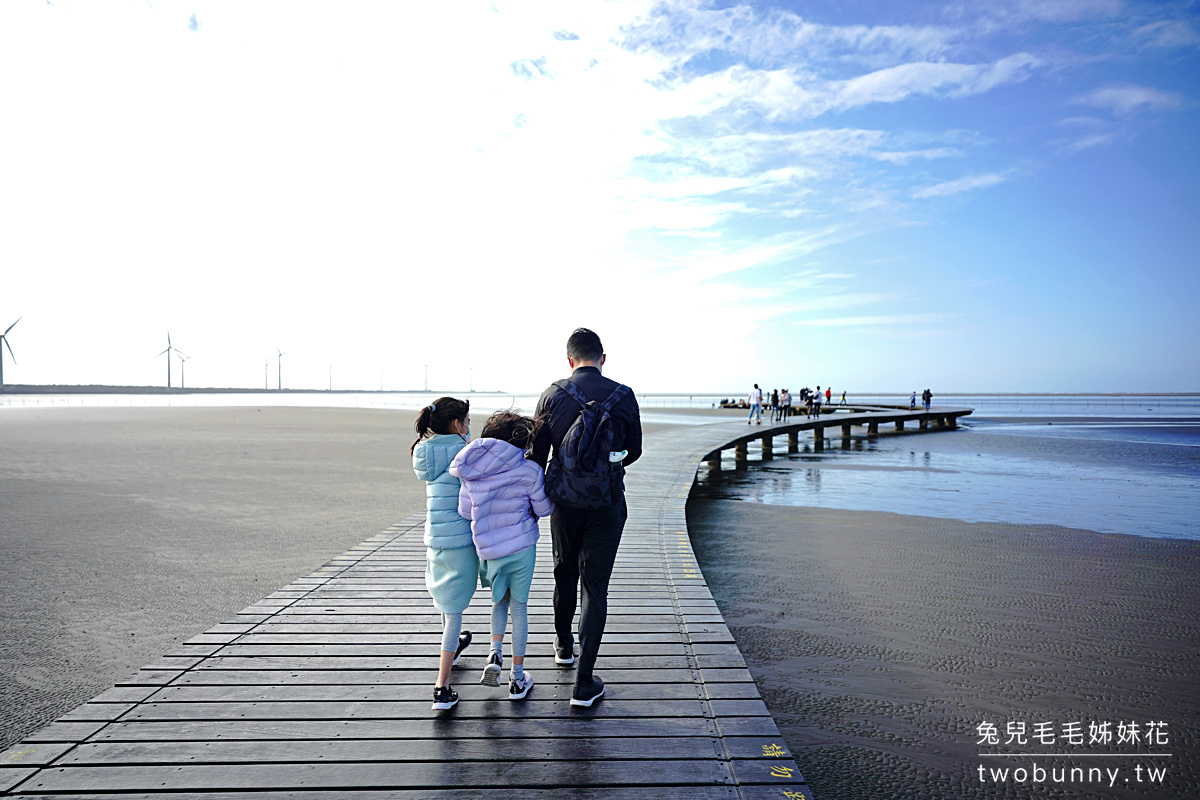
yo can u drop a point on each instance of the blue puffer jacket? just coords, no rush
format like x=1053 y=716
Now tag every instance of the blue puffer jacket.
x=445 y=528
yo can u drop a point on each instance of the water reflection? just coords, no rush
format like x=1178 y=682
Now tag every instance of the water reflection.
x=1143 y=487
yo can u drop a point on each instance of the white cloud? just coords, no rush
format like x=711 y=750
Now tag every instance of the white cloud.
x=959 y=185
x=1167 y=34
x=954 y=80
x=1128 y=98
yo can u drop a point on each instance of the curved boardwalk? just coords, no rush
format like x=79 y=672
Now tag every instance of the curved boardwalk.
x=322 y=689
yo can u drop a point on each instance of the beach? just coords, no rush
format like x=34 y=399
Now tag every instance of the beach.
x=880 y=641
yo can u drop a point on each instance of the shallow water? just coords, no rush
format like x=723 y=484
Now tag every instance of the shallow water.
x=1138 y=477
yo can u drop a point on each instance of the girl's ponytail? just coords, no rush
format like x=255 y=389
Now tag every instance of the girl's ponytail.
x=438 y=416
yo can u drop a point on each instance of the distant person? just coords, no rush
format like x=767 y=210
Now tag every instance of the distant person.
x=817 y=397
x=912 y=401
x=926 y=398
x=586 y=531
x=828 y=396
x=843 y=400
x=755 y=402
x=774 y=404
x=785 y=400
x=503 y=495
x=451 y=564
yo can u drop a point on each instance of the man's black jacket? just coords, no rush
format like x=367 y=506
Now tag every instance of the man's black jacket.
x=561 y=410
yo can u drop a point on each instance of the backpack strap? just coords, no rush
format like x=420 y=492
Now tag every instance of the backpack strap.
x=617 y=395
x=570 y=388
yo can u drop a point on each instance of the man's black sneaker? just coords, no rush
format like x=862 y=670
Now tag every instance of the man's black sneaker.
x=564 y=654
x=517 y=689
x=491 y=673
x=444 y=697
x=464 y=639
x=587 y=694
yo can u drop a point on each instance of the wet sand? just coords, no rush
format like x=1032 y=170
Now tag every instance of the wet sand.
x=880 y=642
x=125 y=531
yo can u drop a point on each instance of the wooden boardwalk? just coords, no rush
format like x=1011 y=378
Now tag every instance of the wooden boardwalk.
x=323 y=688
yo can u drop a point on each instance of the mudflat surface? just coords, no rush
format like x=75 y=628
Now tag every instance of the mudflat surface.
x=880 y=643
x=125 y=531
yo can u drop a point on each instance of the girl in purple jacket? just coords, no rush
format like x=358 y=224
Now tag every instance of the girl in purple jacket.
x=503 y=495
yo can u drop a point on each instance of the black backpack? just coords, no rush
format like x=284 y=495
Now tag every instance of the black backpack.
x=579 y=475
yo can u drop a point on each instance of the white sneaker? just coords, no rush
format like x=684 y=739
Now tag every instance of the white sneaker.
x=517 y=689
x=491 y=673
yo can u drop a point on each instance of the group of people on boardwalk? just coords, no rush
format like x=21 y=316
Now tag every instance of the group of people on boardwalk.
x=926 y=399
x=484 y=498
x=779 y=402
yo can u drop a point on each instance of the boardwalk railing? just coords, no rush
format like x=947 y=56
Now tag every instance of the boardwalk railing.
x=323 y=688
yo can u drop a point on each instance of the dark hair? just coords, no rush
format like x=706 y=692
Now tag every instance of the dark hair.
x=584 y=345
x=510 y=426
x=438 y=416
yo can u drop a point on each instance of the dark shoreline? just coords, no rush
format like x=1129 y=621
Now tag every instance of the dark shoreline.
x=880 y=641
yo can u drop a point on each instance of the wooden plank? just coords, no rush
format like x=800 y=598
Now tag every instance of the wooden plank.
x=548 y=686
x=359 y=750
x=354 y=776
x=653 y=792
x=64 y=732
x=416 y=677
x=574 y=726
x=400 y=662
x=26 y=755
x=613 y=705
x=11 y=776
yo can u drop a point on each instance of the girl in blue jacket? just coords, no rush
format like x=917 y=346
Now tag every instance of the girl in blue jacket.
x=452 y=565
x=504 y=494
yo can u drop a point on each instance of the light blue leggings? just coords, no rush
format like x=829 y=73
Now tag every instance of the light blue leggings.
x=520 y=622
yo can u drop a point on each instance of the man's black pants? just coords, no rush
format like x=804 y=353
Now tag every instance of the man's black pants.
x=585 y=547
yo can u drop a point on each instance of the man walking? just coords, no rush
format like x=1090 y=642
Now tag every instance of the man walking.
x=755 y=402
x=585 y=539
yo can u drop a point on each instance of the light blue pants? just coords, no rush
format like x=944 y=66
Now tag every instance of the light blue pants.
x=755 y=411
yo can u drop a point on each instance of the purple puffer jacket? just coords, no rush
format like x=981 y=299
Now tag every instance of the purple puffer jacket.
x=501 y=492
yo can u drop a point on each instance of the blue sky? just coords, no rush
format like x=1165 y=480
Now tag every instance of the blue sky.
x=873 y=196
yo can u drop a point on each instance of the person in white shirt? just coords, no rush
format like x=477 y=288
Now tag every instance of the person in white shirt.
x=755 y=401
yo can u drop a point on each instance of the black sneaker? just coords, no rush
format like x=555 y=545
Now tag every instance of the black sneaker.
x=464 y=639
x=586 y=695
x=517 y=689
x=444 y=697
x=564 y=654
x=491 y=673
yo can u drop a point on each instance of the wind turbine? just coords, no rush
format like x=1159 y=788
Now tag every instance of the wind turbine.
x=266 y=364
x=168 y=351
x=4 y=338
x=281 y=355
x=182 y=358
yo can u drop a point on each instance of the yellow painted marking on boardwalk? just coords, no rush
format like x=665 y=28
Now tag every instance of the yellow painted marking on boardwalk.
x=772 y=750
x=18 y=755
x=795 y=795
x=780 y=771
